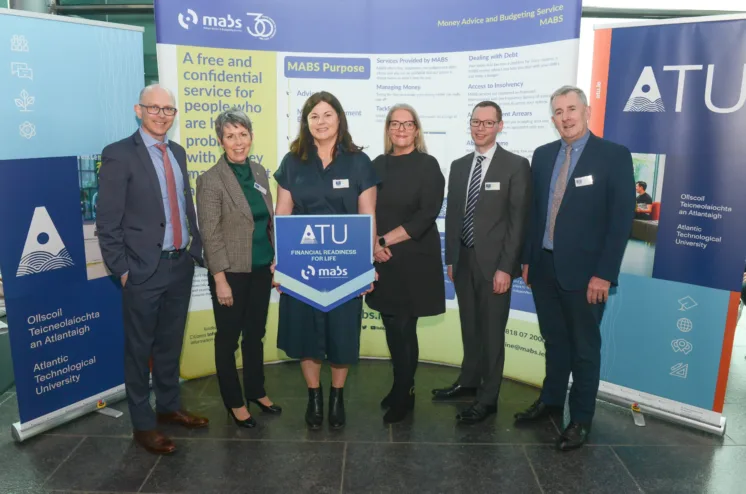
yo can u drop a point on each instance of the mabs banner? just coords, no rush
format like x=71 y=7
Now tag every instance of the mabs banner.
x=70 y=90
x=675 y=97
x=324 y=260
x=267 y=57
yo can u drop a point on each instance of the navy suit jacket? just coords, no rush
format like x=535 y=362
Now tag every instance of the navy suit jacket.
x=130 y=219
x=594 y=221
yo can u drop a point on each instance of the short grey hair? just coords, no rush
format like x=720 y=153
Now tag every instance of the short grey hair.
x=235 y=117
x=566 y=90
x=151 y=87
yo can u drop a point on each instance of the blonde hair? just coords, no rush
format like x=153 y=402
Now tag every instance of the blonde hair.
x=419 y=140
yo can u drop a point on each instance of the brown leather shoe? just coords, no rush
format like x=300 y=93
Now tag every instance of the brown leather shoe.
x=154 y=441
x=182 y=417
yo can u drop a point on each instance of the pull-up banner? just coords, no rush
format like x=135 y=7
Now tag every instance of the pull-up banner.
x=675 y=98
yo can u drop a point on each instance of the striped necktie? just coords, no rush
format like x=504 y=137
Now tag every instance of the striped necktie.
x=173 y=200
x=559 y=191
x=467 y=233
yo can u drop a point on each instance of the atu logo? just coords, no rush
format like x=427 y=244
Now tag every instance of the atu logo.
x=309 y=236
x=263 y=27
x=44 y=250
x=646 y=96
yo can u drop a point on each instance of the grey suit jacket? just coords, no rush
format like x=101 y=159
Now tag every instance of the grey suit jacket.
x=225 y=217
x=130 y=220
x=500 y=216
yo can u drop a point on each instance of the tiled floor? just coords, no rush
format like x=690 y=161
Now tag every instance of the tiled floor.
x=427 y=453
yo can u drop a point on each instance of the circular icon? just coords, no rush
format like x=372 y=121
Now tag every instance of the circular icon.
x=684 y=325
x=42 y=238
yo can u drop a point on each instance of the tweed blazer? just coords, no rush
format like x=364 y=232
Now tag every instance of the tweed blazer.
x=225 y=218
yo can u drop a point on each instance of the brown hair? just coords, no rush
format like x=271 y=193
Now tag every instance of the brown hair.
x=490 y=104
x=304 y=142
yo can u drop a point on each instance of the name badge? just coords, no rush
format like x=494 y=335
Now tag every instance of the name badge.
x=583 y=181
x=492 y=186
x=342 y=183
x=260 y=188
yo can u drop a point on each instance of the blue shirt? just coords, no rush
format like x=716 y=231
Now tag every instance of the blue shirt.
x=157 y=157
x=577 y=150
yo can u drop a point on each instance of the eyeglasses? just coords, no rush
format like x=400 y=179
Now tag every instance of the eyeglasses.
x=155 y=110
x=408 y=125
x=488 y=124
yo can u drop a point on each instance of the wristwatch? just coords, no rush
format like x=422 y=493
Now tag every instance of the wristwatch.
x=382 y=241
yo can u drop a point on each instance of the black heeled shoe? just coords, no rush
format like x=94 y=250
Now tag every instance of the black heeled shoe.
x=274 y=409
x=400 y=407
x=336 y=408
x=315 y=408
x=249 y=423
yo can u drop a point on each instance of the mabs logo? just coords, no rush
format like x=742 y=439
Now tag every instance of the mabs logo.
x=310 y=271
x=190 y=17
x=260 y=26
x=44 y=249
x=646 y=97
x=307 y=274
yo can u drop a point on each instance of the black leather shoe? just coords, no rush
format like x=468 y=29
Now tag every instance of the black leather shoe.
x=476 y=413
x=400 y=408
x=537 y=410
x=315 y=408
x=573 y=437
x=249 y=423
x=453 y=391
x=336 y=408
x=274 y=408
x=389 y=398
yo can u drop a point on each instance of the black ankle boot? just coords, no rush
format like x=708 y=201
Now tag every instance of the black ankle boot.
x=336 y=408
x=315 y=408
x=389 y=398
x=401 y=405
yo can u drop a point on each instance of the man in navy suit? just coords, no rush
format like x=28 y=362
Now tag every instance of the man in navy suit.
x=580 y=220
x=147 y=230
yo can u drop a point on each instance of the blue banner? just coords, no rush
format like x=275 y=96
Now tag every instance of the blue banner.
x=675 y=98
x=431 y=26
x=324 y=260
x=65 y=330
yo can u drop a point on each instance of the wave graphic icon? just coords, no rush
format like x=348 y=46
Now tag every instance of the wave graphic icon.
x=41 y=261
x=642 y=104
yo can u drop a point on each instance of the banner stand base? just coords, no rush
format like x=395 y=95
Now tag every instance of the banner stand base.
x=718 y=430
x=20 y=434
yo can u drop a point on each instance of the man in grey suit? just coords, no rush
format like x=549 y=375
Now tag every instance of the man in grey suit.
x=489 y=193
x=147 y=230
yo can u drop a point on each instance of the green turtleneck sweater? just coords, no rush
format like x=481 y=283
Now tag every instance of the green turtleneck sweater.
x=261 y=249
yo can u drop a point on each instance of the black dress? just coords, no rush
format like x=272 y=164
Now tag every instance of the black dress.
x=410 y=194
x=303 y=331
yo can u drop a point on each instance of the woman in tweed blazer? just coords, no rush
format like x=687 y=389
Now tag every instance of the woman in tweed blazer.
x=234 y=206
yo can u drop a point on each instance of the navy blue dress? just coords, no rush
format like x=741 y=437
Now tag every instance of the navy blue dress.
x=303 y=331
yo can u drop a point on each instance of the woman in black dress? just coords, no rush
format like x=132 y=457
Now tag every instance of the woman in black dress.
x=408 y=261
x=323 y=154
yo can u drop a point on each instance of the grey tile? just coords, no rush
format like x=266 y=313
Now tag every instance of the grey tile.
x=364 y=423
x=225 y=467
x=712 y=470
x=735 y=424
x=613 y=425
x=589 y=469
x=436 y=422
x=437 y=468
x=104 y=464
x=25 y=466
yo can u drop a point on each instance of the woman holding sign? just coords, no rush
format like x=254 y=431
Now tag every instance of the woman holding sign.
x=234 y=206
x=408 y=261
x=324 y=173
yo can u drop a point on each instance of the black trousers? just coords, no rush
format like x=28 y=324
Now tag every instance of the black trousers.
x=247 y=318
x=401 y=336
x=155 y=315
x=484 y=316
x=571 y=328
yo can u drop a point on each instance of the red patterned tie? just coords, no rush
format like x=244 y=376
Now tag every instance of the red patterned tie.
x=173 y=202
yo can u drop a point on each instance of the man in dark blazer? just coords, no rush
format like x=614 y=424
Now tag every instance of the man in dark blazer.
x=148 y=234
x=489 y=194
x=581 y=218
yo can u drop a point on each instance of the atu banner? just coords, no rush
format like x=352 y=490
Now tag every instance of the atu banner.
x=675 y=98
x=266 y=57
x=64 y=312
x=324 y=260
